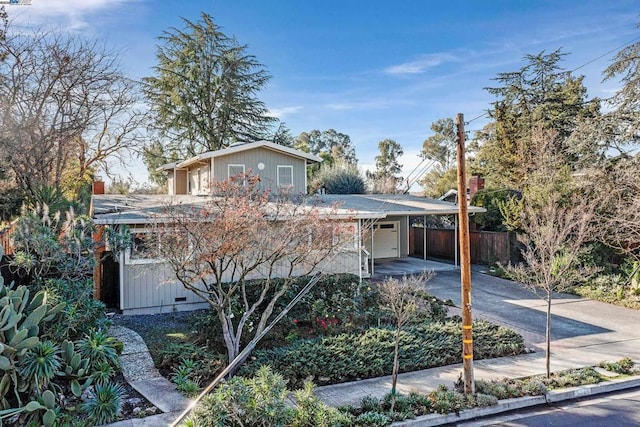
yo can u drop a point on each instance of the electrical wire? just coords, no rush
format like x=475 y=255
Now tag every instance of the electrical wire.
x=250 y=346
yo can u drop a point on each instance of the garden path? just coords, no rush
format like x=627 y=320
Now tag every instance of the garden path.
x=140 y=372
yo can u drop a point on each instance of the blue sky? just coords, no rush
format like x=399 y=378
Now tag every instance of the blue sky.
x=370 y=69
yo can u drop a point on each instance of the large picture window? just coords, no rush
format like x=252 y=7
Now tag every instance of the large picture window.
x=144 y=249
x=285 y=176
x=148 y=246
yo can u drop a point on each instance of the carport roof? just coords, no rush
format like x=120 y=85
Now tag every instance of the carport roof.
x=143 y=208
x=394 y=204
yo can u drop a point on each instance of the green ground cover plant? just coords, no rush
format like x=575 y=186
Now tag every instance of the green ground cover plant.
x=347 y=357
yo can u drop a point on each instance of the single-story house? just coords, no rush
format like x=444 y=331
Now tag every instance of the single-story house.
x=138 y=284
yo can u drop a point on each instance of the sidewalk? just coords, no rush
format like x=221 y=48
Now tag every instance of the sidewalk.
x=429 y=379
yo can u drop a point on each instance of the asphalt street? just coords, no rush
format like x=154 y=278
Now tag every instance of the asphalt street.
x=618 y=409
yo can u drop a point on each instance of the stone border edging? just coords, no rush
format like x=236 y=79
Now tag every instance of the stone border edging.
x=523 y=402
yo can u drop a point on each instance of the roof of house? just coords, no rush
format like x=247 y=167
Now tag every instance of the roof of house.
x=239 y=147
x=395 y=204
x=142 y=209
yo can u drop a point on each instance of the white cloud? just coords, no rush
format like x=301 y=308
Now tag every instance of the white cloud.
x=422 y=64
x=70 y=14
x=284 y=111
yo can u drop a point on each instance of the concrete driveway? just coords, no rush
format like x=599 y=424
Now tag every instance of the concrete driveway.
x=581 y=329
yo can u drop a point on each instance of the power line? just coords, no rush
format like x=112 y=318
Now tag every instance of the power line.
x=575 y=69
x=605 y=54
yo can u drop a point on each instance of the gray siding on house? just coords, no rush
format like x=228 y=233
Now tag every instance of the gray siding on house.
x=268 y=176
x=171 y=185
x=153 y=286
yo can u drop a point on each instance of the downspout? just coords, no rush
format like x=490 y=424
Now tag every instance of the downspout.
x=121 y=273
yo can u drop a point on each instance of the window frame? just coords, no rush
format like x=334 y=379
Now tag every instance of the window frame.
x=129 y=260
x=236 y=165
x=283 y=167
x=158 y=259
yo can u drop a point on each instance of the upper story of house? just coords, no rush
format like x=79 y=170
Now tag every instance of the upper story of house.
x=280 y=168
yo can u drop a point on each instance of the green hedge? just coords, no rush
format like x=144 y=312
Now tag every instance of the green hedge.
x=347 y=357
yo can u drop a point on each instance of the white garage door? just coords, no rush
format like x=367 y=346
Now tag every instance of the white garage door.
x=386 y=240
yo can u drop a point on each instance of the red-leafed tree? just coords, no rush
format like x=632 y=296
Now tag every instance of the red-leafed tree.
x=241 y=248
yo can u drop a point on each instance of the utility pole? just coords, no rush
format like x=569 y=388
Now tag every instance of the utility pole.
x=465 y=263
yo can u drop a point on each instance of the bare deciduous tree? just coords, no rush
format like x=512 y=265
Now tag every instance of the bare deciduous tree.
x=219 y=249
x=401 y=298
x=556 y=222
x=66 y=109
x=618 y=214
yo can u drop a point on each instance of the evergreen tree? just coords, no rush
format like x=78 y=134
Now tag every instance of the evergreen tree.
x=329 y=144
x=204 y=90
x=440 y=148
x=538 y=96
x=386 y=177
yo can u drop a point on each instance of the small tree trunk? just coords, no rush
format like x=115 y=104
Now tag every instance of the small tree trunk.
x=548 y=336
x=396 y=365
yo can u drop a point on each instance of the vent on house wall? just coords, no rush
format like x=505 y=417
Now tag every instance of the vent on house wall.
x=180 y=299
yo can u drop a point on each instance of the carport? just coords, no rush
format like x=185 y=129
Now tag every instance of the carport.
x=384 y=222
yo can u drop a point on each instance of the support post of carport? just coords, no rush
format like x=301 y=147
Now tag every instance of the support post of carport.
x=455 y=241
x=373 y=251
x=424 y=237
x=360 y=249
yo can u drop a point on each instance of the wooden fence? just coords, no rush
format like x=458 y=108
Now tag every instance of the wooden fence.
x=486 y=247
x=5 y=240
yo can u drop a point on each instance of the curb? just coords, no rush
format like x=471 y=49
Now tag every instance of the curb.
x=523 y=402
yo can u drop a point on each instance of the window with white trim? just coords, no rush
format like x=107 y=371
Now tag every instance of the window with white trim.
x=233 y=171
x=144 y=249
x=285 y=176
x=149 y=246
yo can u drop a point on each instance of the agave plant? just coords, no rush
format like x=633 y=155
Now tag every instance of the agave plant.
x=41 y=363
x=103 y=373
x=99 y=348
x=105 y=404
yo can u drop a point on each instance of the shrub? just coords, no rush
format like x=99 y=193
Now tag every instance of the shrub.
x=245 y=401
x=373 y=419
x=572 y=378
x=312 y=412
x=182 y=377
x=40 y=364
x=623 y=366
x=81 y=313
x=339 y=178
x=99 y=348
x=54 y=245
x=485 y=400
x=446 y=401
